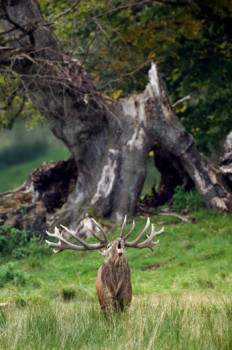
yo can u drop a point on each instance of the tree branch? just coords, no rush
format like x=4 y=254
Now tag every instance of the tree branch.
x=12 y=39
x=140 y=3
x=3 y=32
x=181 y=100
x=65 y=12
x=7 y=54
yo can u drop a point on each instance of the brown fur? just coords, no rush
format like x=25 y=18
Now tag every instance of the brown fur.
x=113 y=283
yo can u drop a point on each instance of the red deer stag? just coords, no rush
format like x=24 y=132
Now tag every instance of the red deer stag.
x=114 y=277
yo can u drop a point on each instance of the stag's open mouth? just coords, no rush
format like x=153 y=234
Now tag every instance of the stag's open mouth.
x=120 y=247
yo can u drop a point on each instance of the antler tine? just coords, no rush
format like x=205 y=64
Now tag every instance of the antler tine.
x=148 y=243
x=123 y=226
x=52 y=243
x=86 y=245
x=63 y=244
x=96 y=236
x=134 y=243
x=101 y=229
x=83 y=242
x=130 y=232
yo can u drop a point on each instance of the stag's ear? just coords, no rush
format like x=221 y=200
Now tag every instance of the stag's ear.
x=103 y=252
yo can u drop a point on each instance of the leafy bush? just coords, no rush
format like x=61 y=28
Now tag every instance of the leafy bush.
x=8 y=273
x=34 y=248
x=11 y=238
x=20 y=244
x=183 y=200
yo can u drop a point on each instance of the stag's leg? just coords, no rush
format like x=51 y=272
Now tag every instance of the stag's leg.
x=121 y=304
x=105 y=297
x=124 y=304
x=108 y=306
x=124 y=296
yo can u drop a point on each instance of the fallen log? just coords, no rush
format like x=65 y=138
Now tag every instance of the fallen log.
x=30 y=206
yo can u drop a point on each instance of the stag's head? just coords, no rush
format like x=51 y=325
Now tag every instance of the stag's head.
x=115 y=251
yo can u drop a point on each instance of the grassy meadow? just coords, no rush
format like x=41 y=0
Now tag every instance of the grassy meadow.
x=181 y=292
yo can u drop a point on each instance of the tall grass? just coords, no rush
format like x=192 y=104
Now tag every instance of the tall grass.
x=151 y=323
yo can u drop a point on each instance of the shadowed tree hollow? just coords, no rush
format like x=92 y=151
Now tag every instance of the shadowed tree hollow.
x=109 y=140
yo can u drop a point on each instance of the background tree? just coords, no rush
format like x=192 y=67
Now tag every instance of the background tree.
x=191 y=41
x=109 y=140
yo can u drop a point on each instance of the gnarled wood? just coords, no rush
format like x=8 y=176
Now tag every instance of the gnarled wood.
x=109 y=142
x=225 y=162
x=31 y=206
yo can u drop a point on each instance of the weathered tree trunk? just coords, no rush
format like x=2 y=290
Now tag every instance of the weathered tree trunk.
x=109 y=141
x=225 y=162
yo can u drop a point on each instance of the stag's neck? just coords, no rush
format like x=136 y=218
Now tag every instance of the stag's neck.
x=118 y=261
x=115 y=273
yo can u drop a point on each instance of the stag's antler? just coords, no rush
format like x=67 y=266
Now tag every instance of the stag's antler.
x=148 y=243
x=63 y=244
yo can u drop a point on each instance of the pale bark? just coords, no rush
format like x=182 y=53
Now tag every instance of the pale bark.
x=109 y=142
x=225 y=162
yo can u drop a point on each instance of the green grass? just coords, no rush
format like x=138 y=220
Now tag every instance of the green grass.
x=150 y=324
x=152 y=174
x=181 y=294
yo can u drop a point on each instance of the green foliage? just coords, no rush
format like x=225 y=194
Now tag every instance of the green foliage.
x=8 y=273
x=33 y=248
x=91 y=211
x=183 y=200
x=20 y=244
x=14 y=103
x=11 y=99
x=12 y=238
